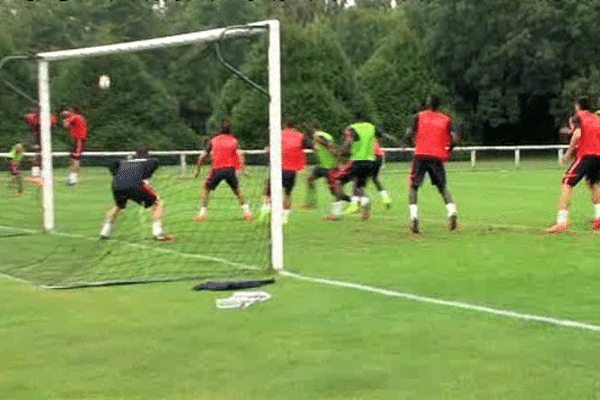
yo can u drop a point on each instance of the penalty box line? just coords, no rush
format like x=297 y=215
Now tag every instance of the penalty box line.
x=448 y=303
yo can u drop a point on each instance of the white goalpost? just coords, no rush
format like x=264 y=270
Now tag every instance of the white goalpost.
x=274 y=92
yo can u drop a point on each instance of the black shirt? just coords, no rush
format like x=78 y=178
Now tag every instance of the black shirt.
x=132 y=173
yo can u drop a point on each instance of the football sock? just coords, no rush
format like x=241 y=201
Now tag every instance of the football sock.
x=157 y=228
x=202 y=210
x=364 y=201
x=597 y=211
x=286 y=214
x=337 y=207
x=246 y=208
x=562 y=216
x=385 y=196
x=35 y=172
x=106 y=229
x=414 y=211
x=451 y=209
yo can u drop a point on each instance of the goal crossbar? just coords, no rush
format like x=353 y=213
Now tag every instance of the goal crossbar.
x=274 y=82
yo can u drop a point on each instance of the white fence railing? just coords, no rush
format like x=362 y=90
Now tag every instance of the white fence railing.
x=560 y=148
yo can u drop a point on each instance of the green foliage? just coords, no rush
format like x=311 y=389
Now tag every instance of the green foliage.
x=398 y=77
x=318 y=86
x=136 y=110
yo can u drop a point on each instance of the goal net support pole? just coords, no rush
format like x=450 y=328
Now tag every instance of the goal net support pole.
x=177 y=40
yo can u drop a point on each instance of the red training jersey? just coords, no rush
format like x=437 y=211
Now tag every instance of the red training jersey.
x=223 y=151
x=292 y=150
x=76 y=125
x=433 y=134
x=589 y=144
x=377 y=150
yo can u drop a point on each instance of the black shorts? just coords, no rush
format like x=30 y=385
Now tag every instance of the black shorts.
x=431 y=165
x=377 y=166
x=357 y=171
x=288 y=180
x=142 y=195
x=13 y=168
x=78 y=146
x=583 y=167
x=319 y=171
x=215 y=176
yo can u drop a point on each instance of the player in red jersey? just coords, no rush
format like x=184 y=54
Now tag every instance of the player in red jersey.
x=585 y=141
x=293 y=159
x=75 y=123
x=225 y=156
x=32 y=119
x=434 y=135
x=130 y=182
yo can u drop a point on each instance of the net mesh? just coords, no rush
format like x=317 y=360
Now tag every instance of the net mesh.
x=224 y=246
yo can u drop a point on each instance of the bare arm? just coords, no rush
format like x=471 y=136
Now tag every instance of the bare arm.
x=573 y=144
x=201 y=158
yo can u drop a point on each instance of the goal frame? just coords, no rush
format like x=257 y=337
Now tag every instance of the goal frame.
x=274 y=79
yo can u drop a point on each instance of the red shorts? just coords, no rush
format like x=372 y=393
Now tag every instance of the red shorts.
x=78 y=146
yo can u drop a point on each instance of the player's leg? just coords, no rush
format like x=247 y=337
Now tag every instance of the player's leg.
x=311 y=189
x=120 y=197
x=438 y=178
x=75 y=164
x=336 y=180
x=210 y=183
x=573 y=175
x=385 y=197
x=156 y=208
x=415 y=179
x=233 y=183
x=266 y=207
x=288 y=180
x=592 y=183
x=363 y=171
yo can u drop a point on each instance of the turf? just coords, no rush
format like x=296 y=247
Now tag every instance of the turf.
x=317 y=341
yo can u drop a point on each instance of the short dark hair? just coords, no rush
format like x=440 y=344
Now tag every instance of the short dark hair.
x=432 y=102
x=141 y=152
x=583 y=102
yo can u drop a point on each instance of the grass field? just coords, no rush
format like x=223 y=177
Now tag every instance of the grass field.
x=487 y=312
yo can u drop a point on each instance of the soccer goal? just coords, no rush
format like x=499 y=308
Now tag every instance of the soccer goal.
x=223 y=246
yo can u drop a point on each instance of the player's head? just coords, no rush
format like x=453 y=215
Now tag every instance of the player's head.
x=432 y=102
x=225 y=127
x=18 y=148
x=359 y=114
x=583 y=103
x=141 y=152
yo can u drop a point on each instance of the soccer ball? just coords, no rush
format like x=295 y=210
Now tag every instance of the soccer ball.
x=104 y=82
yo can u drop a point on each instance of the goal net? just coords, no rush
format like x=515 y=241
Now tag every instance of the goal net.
x=50 y=235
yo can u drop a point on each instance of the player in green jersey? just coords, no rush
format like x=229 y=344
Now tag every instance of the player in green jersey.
x=14 y=162
x=324 y=147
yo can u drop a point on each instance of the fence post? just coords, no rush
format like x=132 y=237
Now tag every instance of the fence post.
x=473 y=158
x=560 y=156
x=517 y=158
x=183 y=164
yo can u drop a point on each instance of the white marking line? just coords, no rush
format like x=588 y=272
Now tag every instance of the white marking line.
x=466 y=306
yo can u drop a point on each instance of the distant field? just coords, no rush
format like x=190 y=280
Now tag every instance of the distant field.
x=384 y=321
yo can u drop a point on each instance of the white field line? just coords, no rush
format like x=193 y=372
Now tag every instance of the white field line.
x=448 y=303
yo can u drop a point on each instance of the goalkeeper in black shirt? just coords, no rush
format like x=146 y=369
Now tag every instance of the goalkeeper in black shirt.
x=130 y=183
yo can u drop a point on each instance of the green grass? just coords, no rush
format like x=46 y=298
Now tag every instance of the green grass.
x=313 y=341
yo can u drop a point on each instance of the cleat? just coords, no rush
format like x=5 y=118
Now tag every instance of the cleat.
x=366 y=216
x=307 y=206
x=164 y=238
x=452 y=222
x=351 y=209
x=248 y=217
x=199 y=218
x=560 y=227
x=414 y=226
x=387 y=204
x=596 y=224
x=331 y=217
x=103 y=237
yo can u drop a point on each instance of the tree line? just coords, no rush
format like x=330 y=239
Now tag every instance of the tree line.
x=506 y=70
